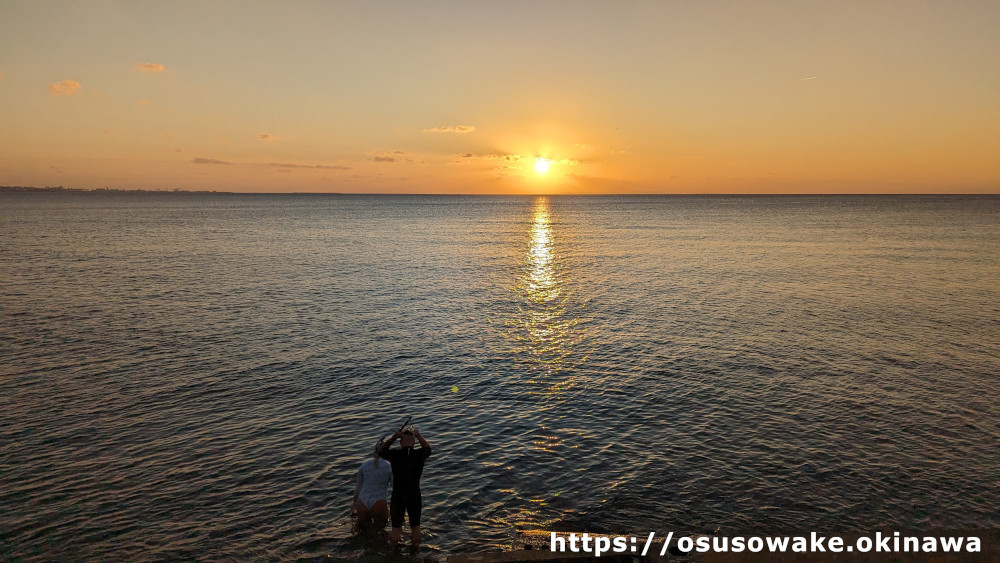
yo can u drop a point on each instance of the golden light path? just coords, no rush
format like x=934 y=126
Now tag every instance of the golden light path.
x=541 y=283
x=548 y=338
x=543 y=334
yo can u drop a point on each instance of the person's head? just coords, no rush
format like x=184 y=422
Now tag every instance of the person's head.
x=406 y=440
x=378 y=448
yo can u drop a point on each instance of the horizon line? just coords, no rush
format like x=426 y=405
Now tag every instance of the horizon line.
x=180 y=191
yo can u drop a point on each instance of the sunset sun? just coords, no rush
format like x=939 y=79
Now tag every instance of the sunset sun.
x=542 y=166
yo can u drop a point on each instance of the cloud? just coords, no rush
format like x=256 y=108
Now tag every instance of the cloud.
x=178 y=149
x=810 y=78
x=65 y=88
x=1 y=75
x=266 y=137
x=394 y=155
x=450 y=129
x=515 y=158
x=282 y=166
x=171 y=136
x=142 y=103
x=497 y=156
x=150 y=67
x=286 y=165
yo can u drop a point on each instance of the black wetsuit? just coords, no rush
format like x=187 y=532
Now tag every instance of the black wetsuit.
x=407 y=465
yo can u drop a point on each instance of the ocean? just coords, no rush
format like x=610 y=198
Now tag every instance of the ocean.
x=200 y=375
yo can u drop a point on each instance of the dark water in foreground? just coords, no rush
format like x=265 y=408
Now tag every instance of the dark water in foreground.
x=188 y=376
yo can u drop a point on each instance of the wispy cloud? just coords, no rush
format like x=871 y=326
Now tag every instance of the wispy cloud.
x=450 y=129
x=810 y=78
x=395 y=155
x=288 y=165
x=515 y=164
x=496 y=156
x=142 y=103
x=150 y=67
x=266 y=137
x=310 y=166
x=1 y=75
x=282 y=166
x=65 y=88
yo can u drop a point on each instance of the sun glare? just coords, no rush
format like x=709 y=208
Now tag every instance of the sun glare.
x=542 y=166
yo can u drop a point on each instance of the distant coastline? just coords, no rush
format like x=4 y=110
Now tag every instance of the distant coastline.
x=105 y=190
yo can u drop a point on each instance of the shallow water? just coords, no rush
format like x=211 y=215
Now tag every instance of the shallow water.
x=200 y=375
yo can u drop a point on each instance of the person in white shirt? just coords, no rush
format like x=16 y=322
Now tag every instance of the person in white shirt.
x=371 y=491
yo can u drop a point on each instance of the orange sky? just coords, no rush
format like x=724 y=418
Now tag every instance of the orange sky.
x=463 y=97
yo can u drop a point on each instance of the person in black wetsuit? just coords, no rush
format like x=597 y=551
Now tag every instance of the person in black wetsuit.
x=407 y=465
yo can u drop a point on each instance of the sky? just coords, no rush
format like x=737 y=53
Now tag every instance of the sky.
x=502 y=97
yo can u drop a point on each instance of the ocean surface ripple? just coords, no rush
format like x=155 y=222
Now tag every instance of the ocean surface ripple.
x=190 y=376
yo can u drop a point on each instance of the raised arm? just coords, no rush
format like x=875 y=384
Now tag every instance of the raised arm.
x=423 y=442
x=385 y=447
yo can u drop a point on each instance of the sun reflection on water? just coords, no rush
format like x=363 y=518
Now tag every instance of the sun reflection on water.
x=540 y=283
x=544 y=333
